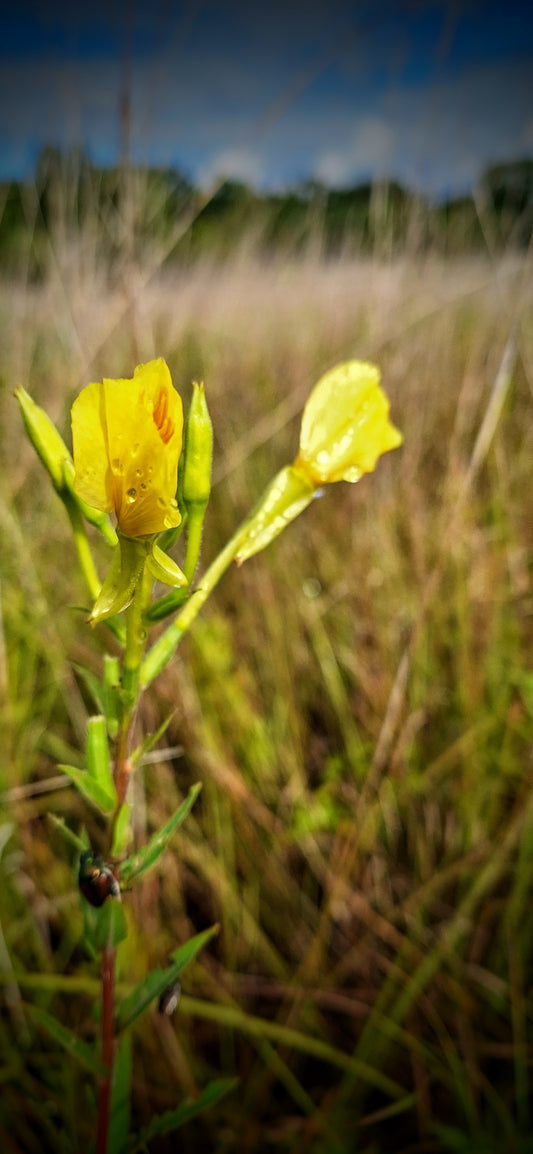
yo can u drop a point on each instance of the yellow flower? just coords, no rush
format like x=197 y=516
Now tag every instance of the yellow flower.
x=345 y=429
x=345 y=425
x=126 y=438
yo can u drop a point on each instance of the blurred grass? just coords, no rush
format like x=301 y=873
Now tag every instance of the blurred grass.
x=358 y=702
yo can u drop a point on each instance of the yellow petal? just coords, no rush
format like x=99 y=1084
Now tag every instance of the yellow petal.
x=89 y=445
x=127 y=441
x=345 y=425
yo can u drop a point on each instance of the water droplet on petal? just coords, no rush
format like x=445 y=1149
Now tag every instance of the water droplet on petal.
x=131 y=495
x=161 y=502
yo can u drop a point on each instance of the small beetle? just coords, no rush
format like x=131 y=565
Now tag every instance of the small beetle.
x=96 y=879
x=169 y=999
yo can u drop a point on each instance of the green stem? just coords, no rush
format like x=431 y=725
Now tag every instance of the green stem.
x=104 y=1096
x=133 y=653
x=195 y=520
x=165 y=646
x=82 y=545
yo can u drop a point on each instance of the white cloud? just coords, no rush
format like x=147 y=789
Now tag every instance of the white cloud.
x=235 y=163
x=368 y=150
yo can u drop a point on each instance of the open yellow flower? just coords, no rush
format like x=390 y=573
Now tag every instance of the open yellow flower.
x=345 y=429
x=345 y=425
x=126 y=438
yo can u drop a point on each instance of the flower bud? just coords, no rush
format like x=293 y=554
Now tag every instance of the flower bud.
x=198 y=450
x=45 y=439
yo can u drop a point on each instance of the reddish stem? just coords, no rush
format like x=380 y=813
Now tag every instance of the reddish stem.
x=108 y=997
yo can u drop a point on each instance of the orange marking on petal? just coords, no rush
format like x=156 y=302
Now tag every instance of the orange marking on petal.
x=166 y=431
x=160 y=408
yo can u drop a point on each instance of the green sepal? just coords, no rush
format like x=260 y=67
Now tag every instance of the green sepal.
x=158 y=980
x=163 y=568
x=147 y=857
x=90 y=789
x=287 y=495
x=47 y=442
x=98 y=759
x=126 y=570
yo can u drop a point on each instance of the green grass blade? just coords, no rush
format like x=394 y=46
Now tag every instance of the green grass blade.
x=119 y=1122
x=67 y=1040
x=173 y=1119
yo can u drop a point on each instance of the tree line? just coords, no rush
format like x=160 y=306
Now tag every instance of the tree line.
x=125 y=211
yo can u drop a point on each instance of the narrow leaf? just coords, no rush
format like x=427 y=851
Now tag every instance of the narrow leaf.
x=93 y=685
x=149 y=741
x=98 y=759
x=158 y=980
x=110 y=927
x=91 y=790
x=111 y=694
x=122 y=831
x=103 y=926
x=173 y=1119
x=119 y=1122
x=147 y=857
x=69 y=836
x=69 y=1042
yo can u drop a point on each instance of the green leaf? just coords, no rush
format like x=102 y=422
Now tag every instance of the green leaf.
x=164 y=606
x=158 y=980
x=90 y=789
x=98 y=759
x=147 y=857
x=69 y=1041
x=149 y=741
x=110 y=924
x=122 y=831
x=119 y=1120
x=69 y=836
x=111 y=694
x=173 y=1119
x=92 y=683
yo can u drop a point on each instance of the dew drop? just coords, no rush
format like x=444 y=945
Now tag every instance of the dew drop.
x=161 y=502
x=117 y=466
x=144 y=486
x=131 y=495
x=138 y=472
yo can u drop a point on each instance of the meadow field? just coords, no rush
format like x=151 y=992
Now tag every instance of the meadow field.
x=357 y=702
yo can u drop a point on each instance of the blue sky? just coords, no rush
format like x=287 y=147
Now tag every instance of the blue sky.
x=426 y=91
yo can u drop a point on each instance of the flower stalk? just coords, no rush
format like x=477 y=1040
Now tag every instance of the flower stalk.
x=127 y=447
